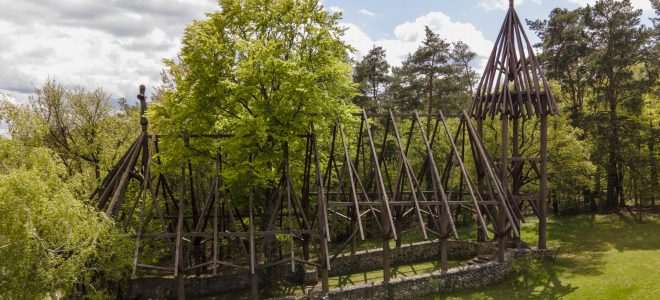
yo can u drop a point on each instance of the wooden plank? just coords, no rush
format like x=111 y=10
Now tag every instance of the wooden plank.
x=534 y=159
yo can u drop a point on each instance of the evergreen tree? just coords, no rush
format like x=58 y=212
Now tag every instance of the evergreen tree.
x=371 y=75
x=602 y=58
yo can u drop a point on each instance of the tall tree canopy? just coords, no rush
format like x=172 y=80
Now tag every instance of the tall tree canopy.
x=51 y=241
x=602 y=58
x=437 y=75
x=83 y=127
x=372 y=75
x=262 y=71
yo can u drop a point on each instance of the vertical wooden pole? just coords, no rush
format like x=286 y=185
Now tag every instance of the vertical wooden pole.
x=178 y=269
x=254 y=285
x=480 y=176
x=504 y=178
x=216 y=187
x=181 y=294
x=215 y=239
x=354 y=216
x=322 y=213
x=543 y=199
x=516 y=176
x=444 y=220
x=386 y=251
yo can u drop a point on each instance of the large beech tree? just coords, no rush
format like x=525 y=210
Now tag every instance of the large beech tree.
x=262 y=71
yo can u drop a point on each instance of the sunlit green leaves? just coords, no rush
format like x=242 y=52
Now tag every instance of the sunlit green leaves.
x=261 y=71
x=49 y=240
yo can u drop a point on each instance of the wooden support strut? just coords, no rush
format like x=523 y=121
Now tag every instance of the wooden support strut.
x=351 y=193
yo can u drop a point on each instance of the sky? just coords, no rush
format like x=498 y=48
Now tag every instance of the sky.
x=120 y=44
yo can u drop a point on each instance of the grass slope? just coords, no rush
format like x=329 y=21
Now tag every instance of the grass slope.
x=598 y=257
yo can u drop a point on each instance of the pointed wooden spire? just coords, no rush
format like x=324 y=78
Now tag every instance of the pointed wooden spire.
x=513 y=83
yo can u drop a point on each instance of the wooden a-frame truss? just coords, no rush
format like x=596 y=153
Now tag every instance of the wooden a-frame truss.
x=375 y=176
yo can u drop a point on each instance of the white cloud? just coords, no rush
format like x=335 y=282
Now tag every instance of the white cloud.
x=334 y=9
x=503 y=4
x=366 y=12
x=116 y=45
x=409 y=36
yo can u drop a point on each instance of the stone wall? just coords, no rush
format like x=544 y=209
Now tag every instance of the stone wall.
x=464 y=277
x=166 y=288
x=456 y=278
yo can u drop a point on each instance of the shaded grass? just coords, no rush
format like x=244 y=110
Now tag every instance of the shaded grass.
x=398 y=271
x=408 y=236
x=598 y=257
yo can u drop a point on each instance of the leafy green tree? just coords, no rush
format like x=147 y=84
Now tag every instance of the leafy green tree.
x=262 y=71
x=429 y=61
x=437 y=75
x=405 y=91
x=602 y=58
x=564 y=40
x=83 y=127
x=617 y=46
x=50 y=242
x=462 y=57
x=371 y=75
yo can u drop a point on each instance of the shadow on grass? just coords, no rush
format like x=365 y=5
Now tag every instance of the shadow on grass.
x=582 y=243
x=396 y=272
x=531 y=280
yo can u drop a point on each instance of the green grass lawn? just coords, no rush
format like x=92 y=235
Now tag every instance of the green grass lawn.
x=598 y=257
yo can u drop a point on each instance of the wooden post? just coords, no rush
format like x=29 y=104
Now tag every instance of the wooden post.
x=504 y=178
x=386 y=251
x=516 y=176
x=444 y=220
x=543 y=199
x=254 y=285
x=322 y=214
x=215 y=239
x=480 y=177
x=180 y=284
x=178 y=269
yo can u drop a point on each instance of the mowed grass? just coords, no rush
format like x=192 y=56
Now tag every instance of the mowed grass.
x=598 y=257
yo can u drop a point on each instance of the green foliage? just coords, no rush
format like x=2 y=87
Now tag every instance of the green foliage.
x=60 y=144
x=53 y=240
x=605 y=63
x=371 y=75
x=82 y=127
x=261 y=71
x=570 y=169
x=437 y=75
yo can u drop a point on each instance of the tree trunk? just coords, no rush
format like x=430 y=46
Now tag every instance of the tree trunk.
x=97 y=171
x=654 y=166
x=428 y=120
x=613 y=144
